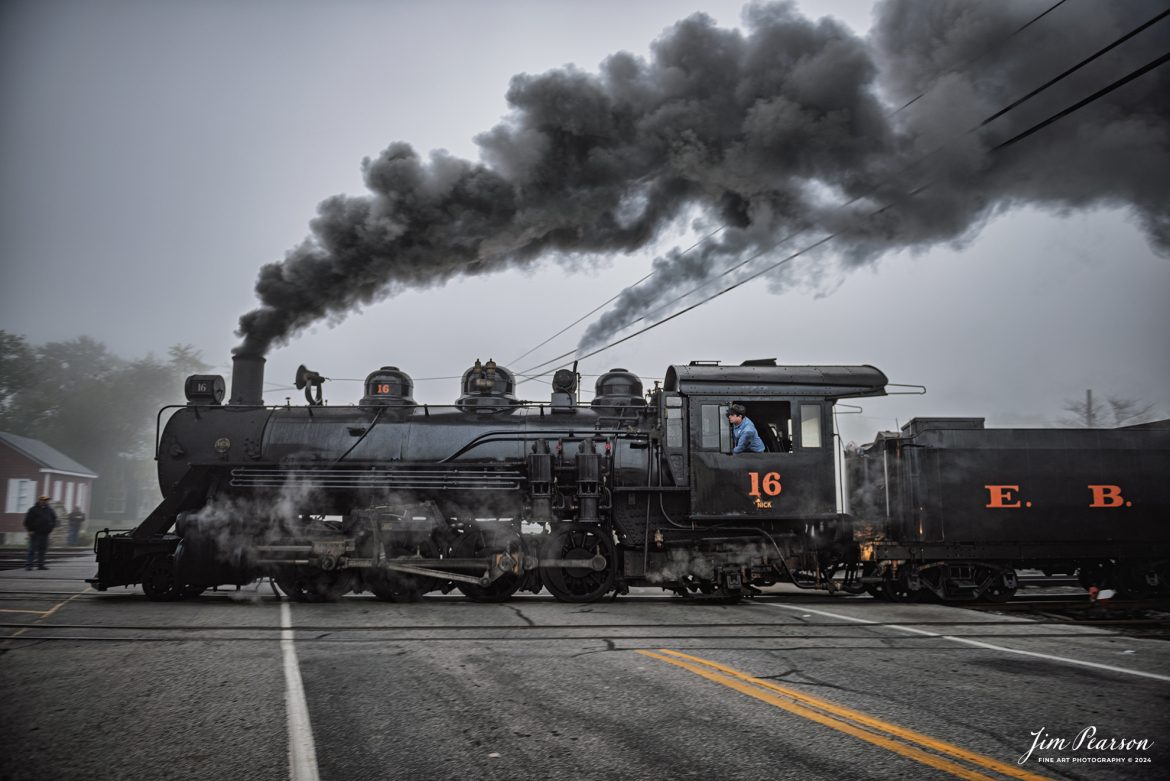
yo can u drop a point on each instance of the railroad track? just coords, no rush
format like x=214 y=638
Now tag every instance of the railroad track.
x=1148 y=618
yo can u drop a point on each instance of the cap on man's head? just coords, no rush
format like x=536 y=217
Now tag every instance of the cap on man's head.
x=45 y=498
x=736 y=409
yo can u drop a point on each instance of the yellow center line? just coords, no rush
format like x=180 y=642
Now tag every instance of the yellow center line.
x=46 y=613
x=34 y=612
x=818 y=710
x=959 y=752
x=65 y=602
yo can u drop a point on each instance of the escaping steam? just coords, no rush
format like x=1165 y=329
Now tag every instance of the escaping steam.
x=781 y=134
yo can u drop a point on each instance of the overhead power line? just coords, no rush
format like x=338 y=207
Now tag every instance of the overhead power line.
x=991 y=118
x=847 y=203
x=1015 y=139
x=1076 y=67
x=994 y=48
x=1082 y=103
x=614 y=298
x=727 y=289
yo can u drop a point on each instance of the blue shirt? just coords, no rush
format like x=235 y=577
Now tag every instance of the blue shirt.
x=746 y=438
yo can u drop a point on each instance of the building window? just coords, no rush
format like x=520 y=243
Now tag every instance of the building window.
x=21 y=495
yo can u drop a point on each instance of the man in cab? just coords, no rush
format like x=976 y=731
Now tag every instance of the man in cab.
x=743 y=431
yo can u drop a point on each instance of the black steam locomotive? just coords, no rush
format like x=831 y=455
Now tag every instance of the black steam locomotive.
x=492 y=495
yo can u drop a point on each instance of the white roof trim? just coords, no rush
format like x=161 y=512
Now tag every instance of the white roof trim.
x=68 y=474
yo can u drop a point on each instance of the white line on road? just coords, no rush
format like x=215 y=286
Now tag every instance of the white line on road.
x=976 y=643
x=302 y=753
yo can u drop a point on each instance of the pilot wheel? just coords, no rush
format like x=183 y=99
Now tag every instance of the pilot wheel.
x=158 y=579
x=594 y=548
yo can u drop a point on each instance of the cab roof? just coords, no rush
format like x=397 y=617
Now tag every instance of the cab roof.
x=767 y=379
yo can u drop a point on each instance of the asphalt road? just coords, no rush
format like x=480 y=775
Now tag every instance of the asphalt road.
x=794 y=685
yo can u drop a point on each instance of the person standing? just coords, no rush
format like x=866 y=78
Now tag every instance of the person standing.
x=76 y=521
x=40 y=520
x=747 y=439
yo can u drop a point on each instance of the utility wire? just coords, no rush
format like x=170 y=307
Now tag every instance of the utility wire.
x=1082 y=103
x=728 y=289
x=611 y=300
x=1026 y=97
x=999 y=45
x=982 y=56
x=682 y=312
x=908 y=167
x=1015 y=139
x=963 y=67
x=1076 y=67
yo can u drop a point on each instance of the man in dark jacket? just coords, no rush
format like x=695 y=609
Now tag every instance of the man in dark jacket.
x=40 y=520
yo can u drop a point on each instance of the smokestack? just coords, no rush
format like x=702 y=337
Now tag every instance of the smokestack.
x=247 y=379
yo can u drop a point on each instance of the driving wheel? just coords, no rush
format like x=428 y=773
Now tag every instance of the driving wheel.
x=591 y=545
x=476 y=544
x=308 y=586
x=392 y=586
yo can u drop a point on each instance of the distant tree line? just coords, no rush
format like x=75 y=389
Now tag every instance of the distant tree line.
x=93 y=406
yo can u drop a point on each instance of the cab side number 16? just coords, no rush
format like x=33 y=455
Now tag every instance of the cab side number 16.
x=768 y=485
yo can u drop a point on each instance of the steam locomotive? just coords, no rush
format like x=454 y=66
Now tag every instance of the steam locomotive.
x=492 y=495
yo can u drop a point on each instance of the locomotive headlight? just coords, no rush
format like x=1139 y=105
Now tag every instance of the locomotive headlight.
x=204 y=389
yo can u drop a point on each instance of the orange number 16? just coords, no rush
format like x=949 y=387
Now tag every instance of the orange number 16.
x=770 y=484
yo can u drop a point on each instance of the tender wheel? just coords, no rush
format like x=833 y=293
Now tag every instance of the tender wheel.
x=999 y=592
x=391 y=586
x=897 y=590
x=476 y=544
x=584 y=583
x=158 y=580
x=314 y=586
x=852 y=583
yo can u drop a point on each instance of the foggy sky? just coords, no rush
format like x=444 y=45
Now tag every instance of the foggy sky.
x=158 y=155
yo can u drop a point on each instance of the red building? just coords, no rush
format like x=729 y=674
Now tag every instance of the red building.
x=30 y=468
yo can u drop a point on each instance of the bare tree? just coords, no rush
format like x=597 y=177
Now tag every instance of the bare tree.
x=1127 y=412
x=1115 y=411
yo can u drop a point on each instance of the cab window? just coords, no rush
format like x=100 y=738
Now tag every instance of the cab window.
x=773 y=421
x=674 y=422
x=810 y=425
x=716 y=432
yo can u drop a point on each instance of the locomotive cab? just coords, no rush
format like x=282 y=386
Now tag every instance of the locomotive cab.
x=791 y=407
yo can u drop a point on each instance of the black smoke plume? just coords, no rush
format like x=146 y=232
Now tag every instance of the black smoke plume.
x=780 y=134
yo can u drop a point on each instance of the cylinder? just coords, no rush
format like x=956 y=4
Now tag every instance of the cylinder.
x=247 y=379
x=540 y=475
x=588 y=486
